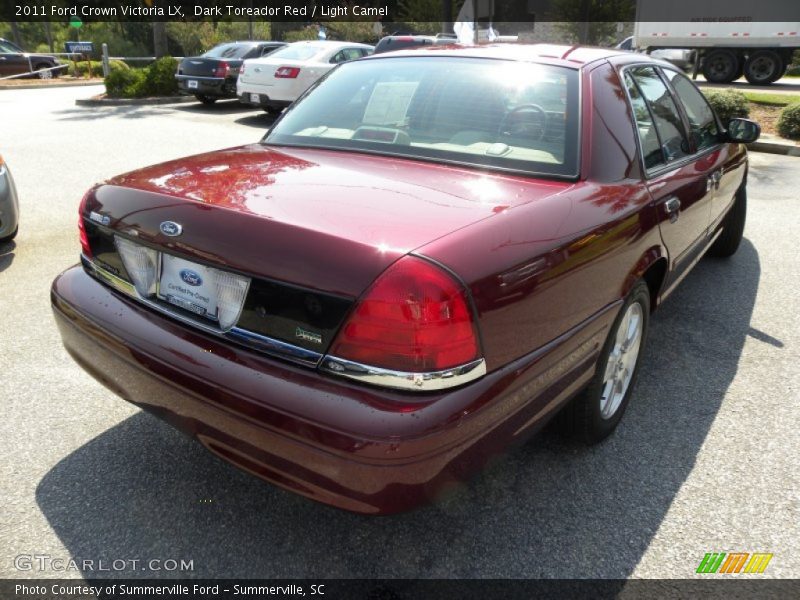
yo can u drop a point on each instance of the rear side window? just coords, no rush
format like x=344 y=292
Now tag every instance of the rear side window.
x=702 y=123
x=651 y=146
x=229 y=51
x=299 y=52
x=346 y=54
x=663 y=111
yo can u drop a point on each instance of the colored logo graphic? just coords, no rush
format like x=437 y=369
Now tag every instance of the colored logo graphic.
x=734 y=562
x=191 y=277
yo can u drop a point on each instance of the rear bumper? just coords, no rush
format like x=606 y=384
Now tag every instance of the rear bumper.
x=358 y=448
x=215 y=87
x=262 y=100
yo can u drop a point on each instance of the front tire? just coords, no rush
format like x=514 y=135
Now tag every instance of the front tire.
x=208 y=100
x=732 y=228
x=594 y=414
x=273 y=111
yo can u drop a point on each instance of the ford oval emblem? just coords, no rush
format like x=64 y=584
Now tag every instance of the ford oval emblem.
x=191 y=277
x=171 y=228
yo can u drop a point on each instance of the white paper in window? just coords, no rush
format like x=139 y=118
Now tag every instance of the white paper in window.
x=389 y=102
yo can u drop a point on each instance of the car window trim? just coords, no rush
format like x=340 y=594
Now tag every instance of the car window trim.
x=685 y=115
x=639 y=143
x=656 y=172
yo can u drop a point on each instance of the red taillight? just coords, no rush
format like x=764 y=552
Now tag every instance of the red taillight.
x=414 y=318
x=287 y=72
x=85 y=247
x=222 y=69
x=241 y=69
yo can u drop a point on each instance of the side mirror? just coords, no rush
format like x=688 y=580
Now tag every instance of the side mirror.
x=743 y=131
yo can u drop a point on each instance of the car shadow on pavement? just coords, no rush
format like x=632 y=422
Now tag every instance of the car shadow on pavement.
x=259 y=120
x=220 y=107
x=92 y=113
x=7 y=254
x=552 y=508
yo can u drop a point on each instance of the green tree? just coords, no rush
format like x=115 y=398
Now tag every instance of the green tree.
x=592 y=22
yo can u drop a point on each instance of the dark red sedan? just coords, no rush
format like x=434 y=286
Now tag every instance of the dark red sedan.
x=428 y=256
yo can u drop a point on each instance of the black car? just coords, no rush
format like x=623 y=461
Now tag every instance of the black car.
x=212 y=75
x=405 y=42
x=15 y=61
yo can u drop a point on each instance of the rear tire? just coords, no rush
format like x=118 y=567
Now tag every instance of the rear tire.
x=10 y=236
x=763 y=67
x=732 y=228
x=205 y=99
x=721 y=66
x=273 y=111
x=594 y=414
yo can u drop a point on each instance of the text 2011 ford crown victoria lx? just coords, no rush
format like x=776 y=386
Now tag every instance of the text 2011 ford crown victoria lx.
x=428 y=256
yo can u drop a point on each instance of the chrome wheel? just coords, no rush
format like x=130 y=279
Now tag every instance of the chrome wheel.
x=622 y=360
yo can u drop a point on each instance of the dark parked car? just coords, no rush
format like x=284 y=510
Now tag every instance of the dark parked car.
x=390 y=43
x=15 y=61
x=212 y=75
x=427 y=257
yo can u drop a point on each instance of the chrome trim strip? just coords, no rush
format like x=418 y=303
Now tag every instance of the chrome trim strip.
x=201 y=78
x=401 y=380
x=242 y=336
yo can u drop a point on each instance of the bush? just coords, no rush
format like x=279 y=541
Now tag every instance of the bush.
x=156 y=80
x=728 y=104
x=126 y=83
x=789 y=122
x=160 y=77
x=81 y=69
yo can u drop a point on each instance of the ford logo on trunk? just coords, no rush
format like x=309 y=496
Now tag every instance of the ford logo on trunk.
x=171 y=228
x=191 y=278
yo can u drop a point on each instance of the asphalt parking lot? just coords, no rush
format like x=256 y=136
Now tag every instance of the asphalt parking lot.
x=704 y=461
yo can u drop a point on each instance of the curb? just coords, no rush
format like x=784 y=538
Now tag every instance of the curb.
x=775 y=148
x=39 y=86
x=133 y=101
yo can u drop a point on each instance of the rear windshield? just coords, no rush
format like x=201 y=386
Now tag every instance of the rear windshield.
x=494 y=113
x=229 y=51
x=299 y=52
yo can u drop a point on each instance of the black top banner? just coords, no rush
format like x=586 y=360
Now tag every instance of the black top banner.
x=511 y=11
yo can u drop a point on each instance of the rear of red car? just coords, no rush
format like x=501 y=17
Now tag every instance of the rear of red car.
x=277 y=303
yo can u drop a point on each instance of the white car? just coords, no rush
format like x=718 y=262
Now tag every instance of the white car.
x=273 y=82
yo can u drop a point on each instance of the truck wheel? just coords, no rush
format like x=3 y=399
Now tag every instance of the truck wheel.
x=763 y=67
x=205 y=99
x=721 y=66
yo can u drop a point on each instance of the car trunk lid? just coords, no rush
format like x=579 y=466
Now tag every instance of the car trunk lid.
x=311 y=228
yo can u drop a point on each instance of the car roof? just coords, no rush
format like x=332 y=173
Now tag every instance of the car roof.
x=330 y=43
x=561 y=54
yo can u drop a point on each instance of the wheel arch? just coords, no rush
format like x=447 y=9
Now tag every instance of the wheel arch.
x=652 y=267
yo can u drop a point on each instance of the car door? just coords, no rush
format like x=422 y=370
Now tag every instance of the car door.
x=724 y=162
x=677 y=179
x=12 y=61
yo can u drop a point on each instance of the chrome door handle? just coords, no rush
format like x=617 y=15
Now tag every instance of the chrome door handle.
x=672 y=205
x=712 y=181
